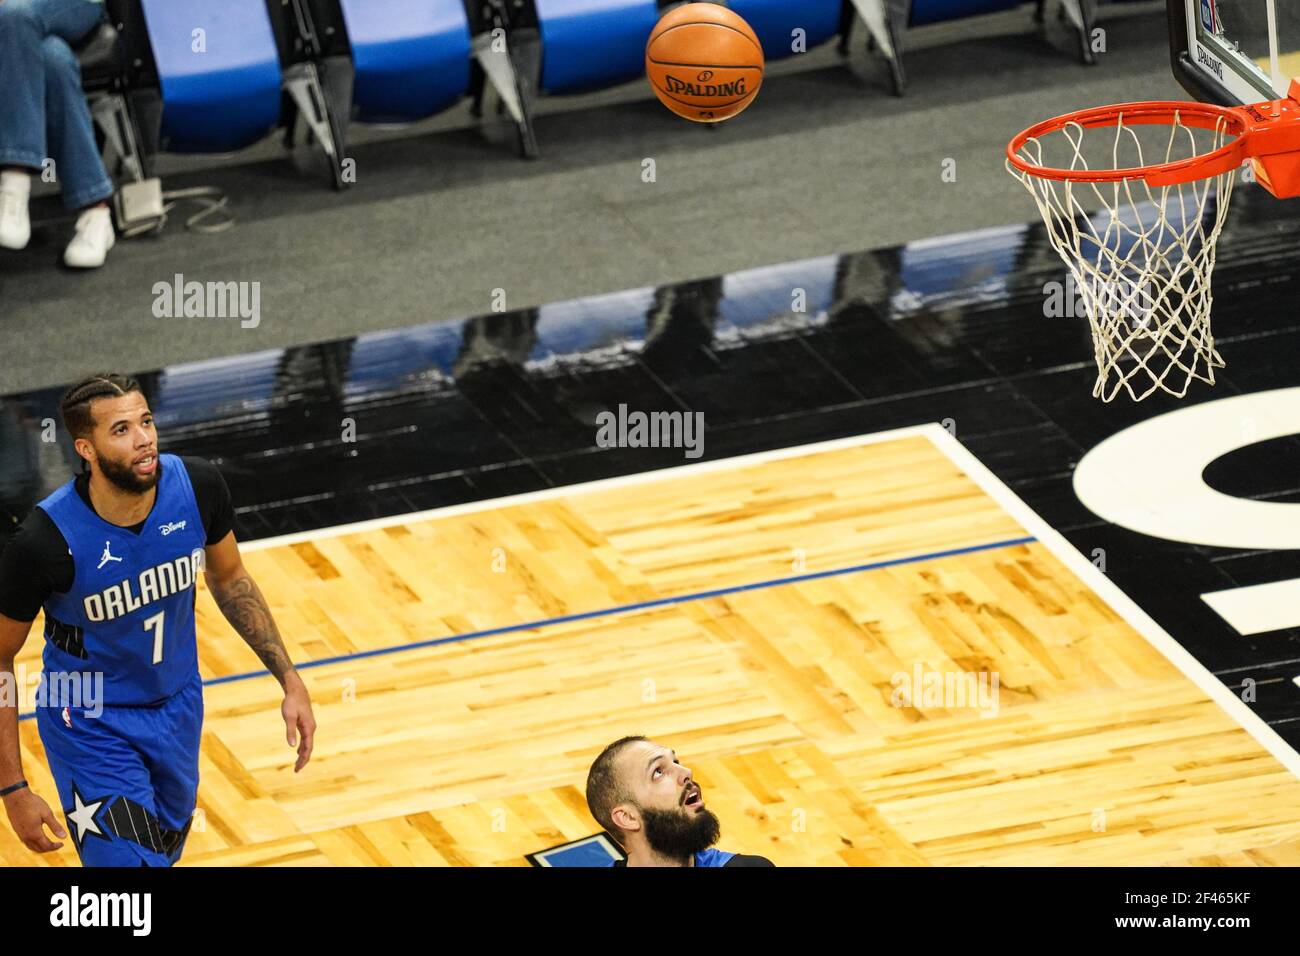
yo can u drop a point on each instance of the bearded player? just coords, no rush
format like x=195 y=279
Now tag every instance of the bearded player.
x=647 y=801
x=113 y=559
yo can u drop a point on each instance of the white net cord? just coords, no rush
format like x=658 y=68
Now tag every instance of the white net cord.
x=1141 y=264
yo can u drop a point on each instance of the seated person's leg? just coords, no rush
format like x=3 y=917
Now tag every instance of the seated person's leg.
x=22 y=121
x=71 y=136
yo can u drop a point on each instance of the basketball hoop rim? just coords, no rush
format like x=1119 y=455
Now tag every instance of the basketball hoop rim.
x=1145 y=113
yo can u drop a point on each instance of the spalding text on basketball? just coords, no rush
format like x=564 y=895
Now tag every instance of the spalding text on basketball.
x=735 y=88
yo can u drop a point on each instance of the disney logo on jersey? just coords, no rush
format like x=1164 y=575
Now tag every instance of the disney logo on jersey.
x=150 y=585
x=171 y=526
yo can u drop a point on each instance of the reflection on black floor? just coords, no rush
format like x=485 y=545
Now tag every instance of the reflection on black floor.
x=951 y=330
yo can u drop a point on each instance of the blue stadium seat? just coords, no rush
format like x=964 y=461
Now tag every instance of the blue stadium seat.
x=415 y=58
x=412 y=57
x=775 y=23
x=219 y=70
x=222 y=72
x=592 y=44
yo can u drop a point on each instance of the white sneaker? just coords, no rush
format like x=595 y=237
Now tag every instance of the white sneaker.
x=15 y=224
x=89 y=247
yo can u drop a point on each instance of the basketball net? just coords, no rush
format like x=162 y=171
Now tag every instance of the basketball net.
x=1141 y=256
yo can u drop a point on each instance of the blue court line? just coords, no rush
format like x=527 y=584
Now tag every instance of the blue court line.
x=628 y=608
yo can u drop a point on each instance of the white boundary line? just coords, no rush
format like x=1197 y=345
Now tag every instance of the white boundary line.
x=1119 y=602
x=964 y=460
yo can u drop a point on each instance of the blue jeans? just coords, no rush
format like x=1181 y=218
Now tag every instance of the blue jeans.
x=45 y=112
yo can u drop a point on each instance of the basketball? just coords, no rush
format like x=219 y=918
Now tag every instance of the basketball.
x=704 y=62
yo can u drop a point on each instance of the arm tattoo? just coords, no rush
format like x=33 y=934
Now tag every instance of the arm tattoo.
x=244 y=607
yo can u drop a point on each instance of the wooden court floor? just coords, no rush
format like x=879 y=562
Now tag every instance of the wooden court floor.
x=781 y=695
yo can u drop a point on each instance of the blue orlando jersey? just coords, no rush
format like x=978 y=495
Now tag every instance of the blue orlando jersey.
x=712 y=857
x=130 y=611
x=709 y=857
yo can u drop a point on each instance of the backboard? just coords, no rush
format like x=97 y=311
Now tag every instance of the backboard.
x=1233 y=52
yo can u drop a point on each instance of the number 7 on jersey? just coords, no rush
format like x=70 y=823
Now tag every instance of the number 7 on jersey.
x=156 y=624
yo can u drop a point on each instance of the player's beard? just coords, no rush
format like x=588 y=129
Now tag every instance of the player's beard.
x=678 y=834
x=127 y=480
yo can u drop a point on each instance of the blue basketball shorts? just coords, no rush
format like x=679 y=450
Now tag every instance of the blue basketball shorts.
x=128 y=778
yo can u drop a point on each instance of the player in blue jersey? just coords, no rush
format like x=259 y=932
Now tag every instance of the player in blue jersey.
x=113 y=559
x=647 y=801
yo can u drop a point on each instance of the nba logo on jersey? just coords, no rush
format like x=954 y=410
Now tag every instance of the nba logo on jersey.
x=67 y=718
x=1209 y=16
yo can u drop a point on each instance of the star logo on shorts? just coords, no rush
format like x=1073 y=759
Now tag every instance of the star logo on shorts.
x=82 y=817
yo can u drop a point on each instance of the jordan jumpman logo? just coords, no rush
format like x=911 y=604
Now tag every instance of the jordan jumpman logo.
x=106 y=558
